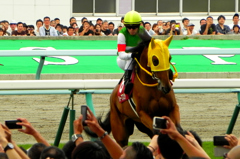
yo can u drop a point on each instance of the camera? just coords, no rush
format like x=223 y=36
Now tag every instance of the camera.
x=159 y=123
x=84 y=114
x=219 y=141
x=11 y=124
x=97 y=30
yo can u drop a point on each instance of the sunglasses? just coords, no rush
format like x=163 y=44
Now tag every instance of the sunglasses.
x=132 y=27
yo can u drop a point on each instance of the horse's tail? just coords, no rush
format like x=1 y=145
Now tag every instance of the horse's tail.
x=106 y=125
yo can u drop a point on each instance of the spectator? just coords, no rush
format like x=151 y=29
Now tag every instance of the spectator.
x=19 y=31
x=159 y=23
x=89 y=149
x=221 y=28
x=47 y=30
x=233 y=153
x=86 y=30
x=167 y=26
x=68 y=149
x=155 y=28
x=111 y=26
x=97 y=30
x=190 y=30
x=105 y=29
x=64 y=30
x=70 y=31
x=30 y=130
x=82 y=21
x=30 y=31
x=35 y=151
x=1 y=32
x=39 y=23
x=72 y=20
x=202 y=21
x=142 y=23
x=185 y=22
x=52 y=152
x=189 y=147
x=59 y=29
x=159 y=29
x=235 y=20
x=235 y=29
x=13 y=26
x=57 y=21
x=137 y=151
x=122 y=20
x=53 y=23
x=25 y=27
x=99 y=21
x=209 y=28
x=76 y=28
x=117 y=30
x=173 y=30
x=148 y=27
x=6 y=25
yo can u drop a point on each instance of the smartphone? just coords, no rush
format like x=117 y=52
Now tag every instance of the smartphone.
x=11 y=124
x=84 y=114
x=159 y=123
x=177 y=26
x=219 y=141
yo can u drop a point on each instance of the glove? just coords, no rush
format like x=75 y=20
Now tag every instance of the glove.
x=134 y=54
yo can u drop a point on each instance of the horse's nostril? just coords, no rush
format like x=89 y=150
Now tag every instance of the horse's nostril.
x=166 y=90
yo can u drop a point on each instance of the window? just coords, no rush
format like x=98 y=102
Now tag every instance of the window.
x=168 y=6
x=105 y=6
x=101 y=6
x=222 y=6
x=82 y=6
x=144 y=6
x=195 y=6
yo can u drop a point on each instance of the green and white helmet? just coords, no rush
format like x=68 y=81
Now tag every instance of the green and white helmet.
x=132 y=18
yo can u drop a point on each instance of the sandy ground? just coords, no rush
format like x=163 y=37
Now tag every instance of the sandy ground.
x=207 y=114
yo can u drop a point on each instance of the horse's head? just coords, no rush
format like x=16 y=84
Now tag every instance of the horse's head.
x=159 y=63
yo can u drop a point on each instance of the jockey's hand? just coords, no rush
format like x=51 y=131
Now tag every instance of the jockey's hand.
x=134 y=54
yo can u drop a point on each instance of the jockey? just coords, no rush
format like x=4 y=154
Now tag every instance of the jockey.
x=127 y=38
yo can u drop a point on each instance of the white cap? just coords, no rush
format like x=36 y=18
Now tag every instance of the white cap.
x=13 y=22
x=120 y=25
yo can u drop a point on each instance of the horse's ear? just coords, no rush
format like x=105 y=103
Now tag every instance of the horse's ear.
x=152 y=43
x=168 y=40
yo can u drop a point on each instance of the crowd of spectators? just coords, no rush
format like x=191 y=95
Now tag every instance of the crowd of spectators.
x=169 y=143
x=48 y=27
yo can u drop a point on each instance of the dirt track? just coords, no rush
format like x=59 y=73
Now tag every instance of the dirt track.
x=207 y=114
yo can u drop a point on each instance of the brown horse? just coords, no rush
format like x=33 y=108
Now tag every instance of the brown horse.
x=152 y=94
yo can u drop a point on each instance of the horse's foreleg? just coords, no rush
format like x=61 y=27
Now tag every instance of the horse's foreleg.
x=175 y=115
x=119 y=128
x=146 y=119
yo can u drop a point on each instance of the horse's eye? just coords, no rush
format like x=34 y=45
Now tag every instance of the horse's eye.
x=155 y=60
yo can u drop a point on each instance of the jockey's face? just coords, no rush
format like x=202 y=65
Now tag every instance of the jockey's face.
x=132 y=31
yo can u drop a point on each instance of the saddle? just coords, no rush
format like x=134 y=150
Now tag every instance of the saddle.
x=122 y=97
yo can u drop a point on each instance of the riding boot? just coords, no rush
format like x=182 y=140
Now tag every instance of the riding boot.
x=127 y=82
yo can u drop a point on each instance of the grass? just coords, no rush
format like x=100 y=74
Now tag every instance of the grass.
x=207 y=146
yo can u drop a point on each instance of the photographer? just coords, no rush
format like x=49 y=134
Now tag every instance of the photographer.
x=30 y=31
x=175 y=29
x=76 y=28
x=97 y=30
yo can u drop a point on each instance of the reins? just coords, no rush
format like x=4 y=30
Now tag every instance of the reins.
x=151 y=74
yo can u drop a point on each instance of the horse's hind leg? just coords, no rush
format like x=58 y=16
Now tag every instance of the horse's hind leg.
x=121 y=127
